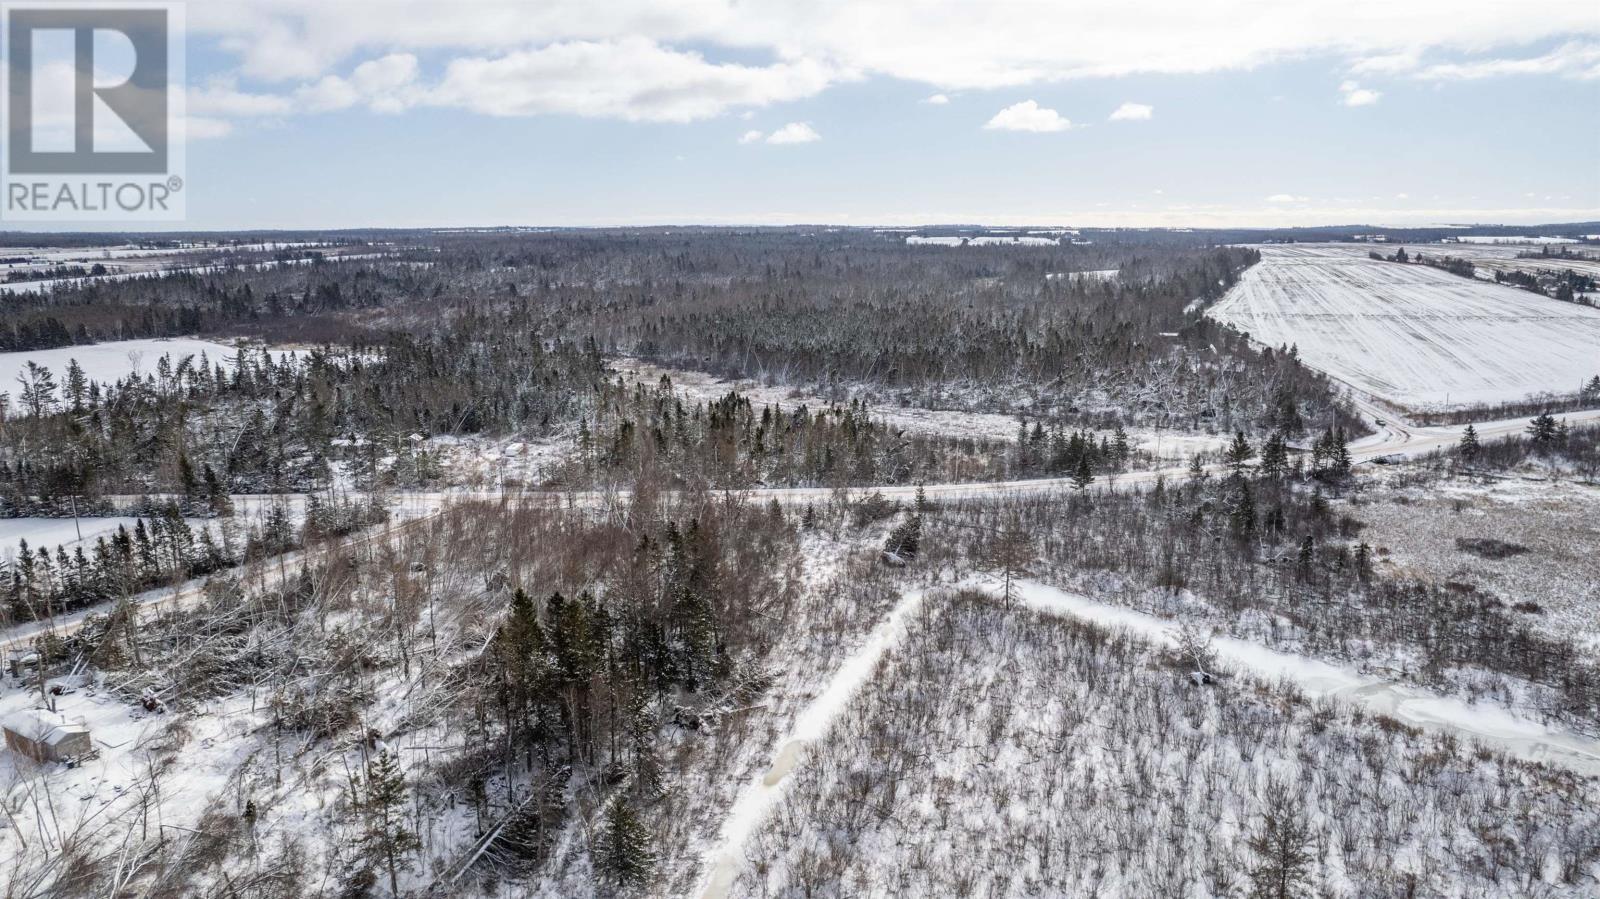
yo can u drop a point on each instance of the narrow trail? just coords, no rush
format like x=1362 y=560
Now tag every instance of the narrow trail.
x=759 y=796
x=1489 y=725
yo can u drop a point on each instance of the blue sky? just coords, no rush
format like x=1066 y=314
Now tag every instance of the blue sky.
x=327 y=114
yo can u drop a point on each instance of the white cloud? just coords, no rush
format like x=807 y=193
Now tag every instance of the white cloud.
x=626 y=59
x=750 y=137
x=1027 y=116
x=224 y=99
x=1575 y=59
x=633 y=79
x=1402 y=196
x=794 y=133
x=1287 y=198
x=937 y=100
x=1356 y=95
x=204 y=128
x=1132 y=112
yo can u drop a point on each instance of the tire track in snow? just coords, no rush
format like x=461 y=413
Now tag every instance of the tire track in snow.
x=757 y=798
x=1492 y=726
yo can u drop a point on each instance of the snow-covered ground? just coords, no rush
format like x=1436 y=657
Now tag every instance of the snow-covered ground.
x=984 y=240
x=1554 y=528
x=108 y=362
x=1412 y=334
x=53 y=532
x=1501 y=729
x=1514 y=239
x=1007 y=753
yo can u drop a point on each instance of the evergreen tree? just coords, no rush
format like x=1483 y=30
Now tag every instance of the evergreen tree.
x=1543 y=431
x=384 y=837
x=1275 y=456
x=1082 y=475
x=1468 y=446
x=1239 y=454
x=625 y=856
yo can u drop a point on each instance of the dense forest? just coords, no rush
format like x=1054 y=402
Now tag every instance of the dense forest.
x=505 y=335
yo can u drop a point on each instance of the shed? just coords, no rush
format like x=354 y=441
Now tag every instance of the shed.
x=45 y=736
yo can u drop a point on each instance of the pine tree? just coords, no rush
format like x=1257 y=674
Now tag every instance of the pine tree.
x=1083 y=475
x=384 y=836
x=1306 y=560
x=1543 y=430
x=1242 y=514
x=1468 y=447
x=625 y=856
x=1239 y=454
x=1275 y=456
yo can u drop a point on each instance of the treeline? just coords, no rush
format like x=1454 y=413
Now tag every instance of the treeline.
x=311 y=302
x=161 y=550
x=1548 y=443
x=987 y=331
x=731 y=442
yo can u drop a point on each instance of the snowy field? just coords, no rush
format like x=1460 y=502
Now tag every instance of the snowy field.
x=1412 y=334
x=985 y=240
x=1553 y=529
x=109 y=362
x=53 y=532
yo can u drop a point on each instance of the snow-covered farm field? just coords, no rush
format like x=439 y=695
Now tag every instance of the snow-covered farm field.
x=108 y=362
x=1411 y=334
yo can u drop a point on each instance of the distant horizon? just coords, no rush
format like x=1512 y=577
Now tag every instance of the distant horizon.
x=992 y=226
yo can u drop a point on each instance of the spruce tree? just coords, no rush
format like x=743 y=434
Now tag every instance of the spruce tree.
x=384 y=836
x=1468 y=447
x=1239 y=454
x=625 y=856
x=1083 y=475
x=1275 y=456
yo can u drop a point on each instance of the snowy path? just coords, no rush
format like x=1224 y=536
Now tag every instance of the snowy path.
x=761 y=794
x=1491 y=726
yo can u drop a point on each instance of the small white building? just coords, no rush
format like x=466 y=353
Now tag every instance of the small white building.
x=45 y=736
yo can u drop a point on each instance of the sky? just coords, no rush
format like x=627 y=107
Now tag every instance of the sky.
x=399 y=113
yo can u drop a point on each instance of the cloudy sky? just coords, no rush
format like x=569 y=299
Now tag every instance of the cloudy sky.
x=1113 y=112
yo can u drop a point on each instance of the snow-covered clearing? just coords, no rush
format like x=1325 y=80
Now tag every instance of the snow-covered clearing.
x=53 y=532
x=1513 y=239
x=1412 y=334
x=1550 y=529
x=984 y=240
x=108 y=362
